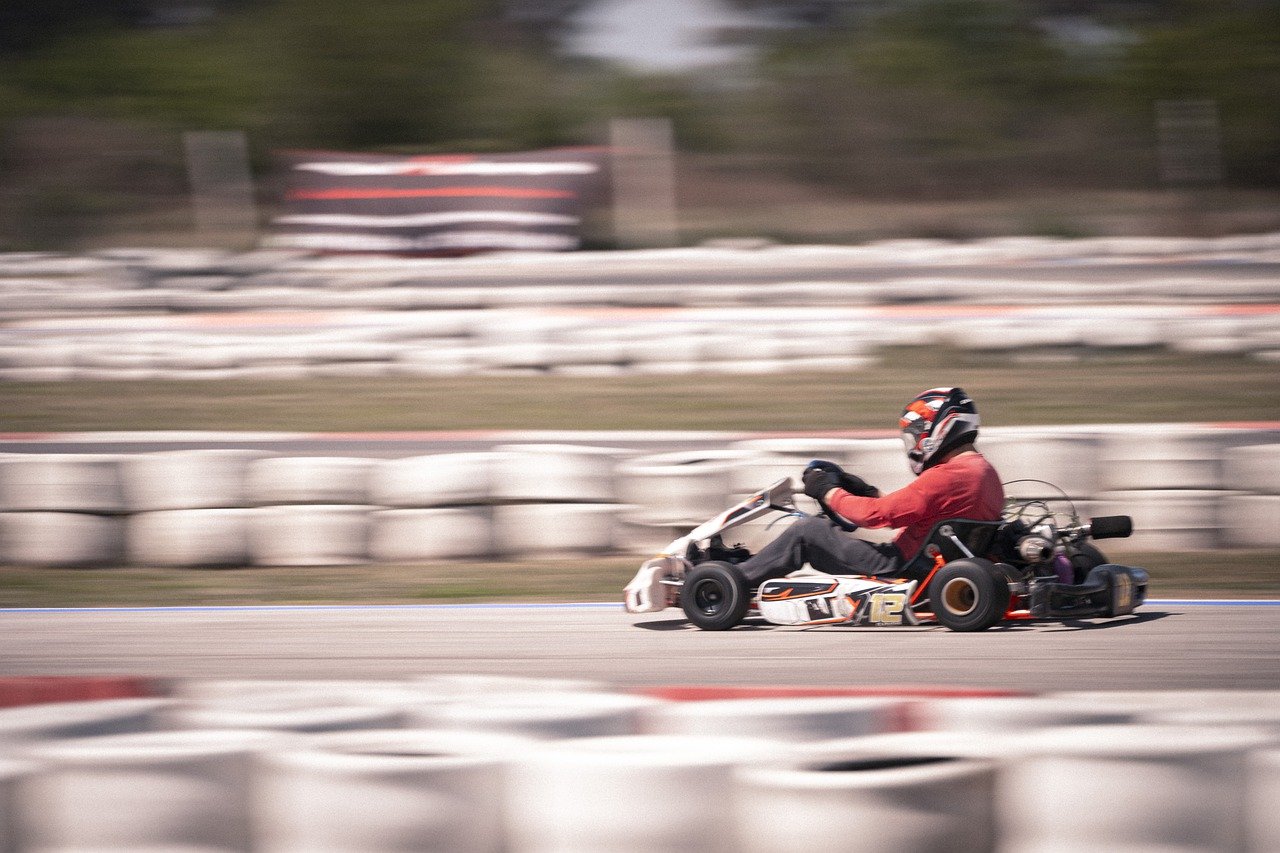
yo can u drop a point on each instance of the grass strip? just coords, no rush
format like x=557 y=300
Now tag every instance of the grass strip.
x=1135 y=387
x=1226 y=574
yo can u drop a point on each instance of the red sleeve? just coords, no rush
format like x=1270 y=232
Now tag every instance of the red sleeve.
x=912 y=503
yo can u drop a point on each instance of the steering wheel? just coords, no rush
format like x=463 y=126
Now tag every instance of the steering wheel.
x=835 y=517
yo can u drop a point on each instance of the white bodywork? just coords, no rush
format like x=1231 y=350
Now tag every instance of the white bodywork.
x=657 y=584
x=806 y=597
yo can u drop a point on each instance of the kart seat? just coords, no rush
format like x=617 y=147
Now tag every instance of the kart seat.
x=953 y=539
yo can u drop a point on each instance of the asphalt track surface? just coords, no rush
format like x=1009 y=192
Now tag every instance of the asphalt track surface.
x=1165 y=645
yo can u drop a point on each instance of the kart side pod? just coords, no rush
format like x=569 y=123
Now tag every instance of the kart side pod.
x=829 y=600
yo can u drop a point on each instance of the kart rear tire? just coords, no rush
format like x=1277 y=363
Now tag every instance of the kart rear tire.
x=969 y=595
x=715 y=596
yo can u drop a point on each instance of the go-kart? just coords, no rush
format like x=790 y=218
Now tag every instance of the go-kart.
x=1034 y=563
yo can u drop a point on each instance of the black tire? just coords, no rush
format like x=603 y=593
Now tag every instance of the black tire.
x=969 y=595
x=715 y=596
x=1084 y=560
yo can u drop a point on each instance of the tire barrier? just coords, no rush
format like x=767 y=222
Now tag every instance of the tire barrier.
x=1170 y=457
x=301 y=712
x=12 y=774
x=186 y=479
x=910 y=803
x=309 y=535
x=1043 y=460
x=457 y=687
x=787 y=719
x=771 y=459
x=156 y=790
x=424 y=535
x=681 y=488
x=305 y=766
x=993 y=715
x=639 y=794
x=252 y=508
x=545 y=715
x=1253 y=468
x=1170 y=519
x=386 y=791
x=1192 y=794
x=555 y=530
x=61 y=539
x=1251 y=521
x=1263 y=822
x=60 y=720
x=443 y=479
x=51 y=482
x=560 y=473
x=1141 y=705
x=194 y=538
x=291 y=480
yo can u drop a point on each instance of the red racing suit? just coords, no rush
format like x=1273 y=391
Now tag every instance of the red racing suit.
x=964 y=486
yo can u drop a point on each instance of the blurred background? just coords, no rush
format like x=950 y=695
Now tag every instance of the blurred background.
x=793 y=120
x=792 y=215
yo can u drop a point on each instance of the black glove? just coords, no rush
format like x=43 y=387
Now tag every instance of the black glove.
x=825 y=466
x=851 y=483
x=855 y=485
x=819 y=481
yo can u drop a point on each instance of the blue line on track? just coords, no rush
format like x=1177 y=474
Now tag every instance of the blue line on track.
x=1216 y=602
x=514 y=605
x=479 y=605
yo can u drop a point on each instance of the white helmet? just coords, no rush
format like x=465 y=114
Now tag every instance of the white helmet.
x=936 y=422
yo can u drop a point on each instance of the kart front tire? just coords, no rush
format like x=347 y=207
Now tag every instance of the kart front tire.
x=1086 y=558
x=715 y=596
x=969 y=595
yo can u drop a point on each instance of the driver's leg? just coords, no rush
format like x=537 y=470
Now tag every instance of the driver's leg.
x=818 y=542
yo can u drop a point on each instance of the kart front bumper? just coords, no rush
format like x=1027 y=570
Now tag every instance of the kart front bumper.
x=1109 y=590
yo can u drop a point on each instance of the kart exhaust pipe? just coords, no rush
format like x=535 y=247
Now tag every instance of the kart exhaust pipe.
x=1111 y=527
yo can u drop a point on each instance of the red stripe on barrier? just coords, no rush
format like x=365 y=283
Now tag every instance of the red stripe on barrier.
x=37 y=690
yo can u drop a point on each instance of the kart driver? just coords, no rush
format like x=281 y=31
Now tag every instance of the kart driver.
x=952 y=480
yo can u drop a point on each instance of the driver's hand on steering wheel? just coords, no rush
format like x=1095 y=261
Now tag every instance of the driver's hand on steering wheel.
x=818 y=483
